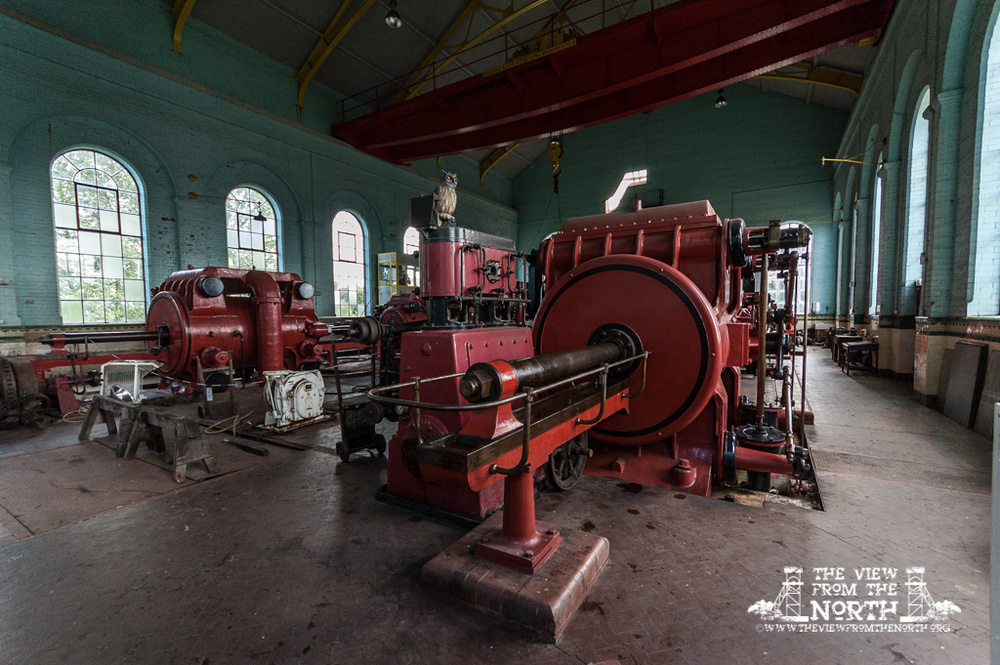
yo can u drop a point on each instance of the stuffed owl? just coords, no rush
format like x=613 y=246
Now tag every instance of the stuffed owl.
x=446 y=199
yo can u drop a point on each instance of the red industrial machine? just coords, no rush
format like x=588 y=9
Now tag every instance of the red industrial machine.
x=634 y=347
x=663 y=282
x=470 y=309
x=264 y=321
x=204 y=325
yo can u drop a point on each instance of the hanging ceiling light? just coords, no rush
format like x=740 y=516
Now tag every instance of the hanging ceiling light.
x=720 y=101
x=392 y=17
x=259 y=217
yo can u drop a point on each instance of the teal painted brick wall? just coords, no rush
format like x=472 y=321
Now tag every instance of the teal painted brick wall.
x=758 y=158
x=180 y=138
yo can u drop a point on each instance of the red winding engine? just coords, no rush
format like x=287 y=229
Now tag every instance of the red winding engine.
x=204 y=319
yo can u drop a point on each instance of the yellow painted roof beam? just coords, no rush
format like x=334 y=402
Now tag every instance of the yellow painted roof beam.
x=493 y=159
x=182 y=9
x=418 y=80
x=812 y=74
x=332 y=36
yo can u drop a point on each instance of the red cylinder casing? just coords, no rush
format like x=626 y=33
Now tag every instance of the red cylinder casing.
x=459 y=262
x=279 y=328
x=664 y=274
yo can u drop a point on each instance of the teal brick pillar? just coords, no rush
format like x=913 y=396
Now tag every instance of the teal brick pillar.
x=8 y=292
x=889 y=277
x=862 y=260
x=940 y=277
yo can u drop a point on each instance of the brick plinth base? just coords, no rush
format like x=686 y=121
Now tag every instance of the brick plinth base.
x=542 y=604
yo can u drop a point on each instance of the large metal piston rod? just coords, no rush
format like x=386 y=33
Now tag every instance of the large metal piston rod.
x=482 y=382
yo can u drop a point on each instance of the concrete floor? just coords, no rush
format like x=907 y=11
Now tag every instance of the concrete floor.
x=293 y=561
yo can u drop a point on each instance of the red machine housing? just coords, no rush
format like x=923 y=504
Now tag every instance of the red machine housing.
x=473 y=311
x=259 y=320
x=671 y=276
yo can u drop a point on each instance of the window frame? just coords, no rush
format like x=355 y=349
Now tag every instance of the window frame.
x=118 y=259
x=360 y=259
x=234 y=214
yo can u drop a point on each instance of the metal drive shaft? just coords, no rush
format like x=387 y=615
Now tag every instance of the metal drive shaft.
x=482 y=381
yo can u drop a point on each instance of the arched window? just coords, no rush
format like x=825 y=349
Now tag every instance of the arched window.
x=251 y=230
x=916 y=201
x=986 y=292
x=411 y=241
x=99 y=254
x=411 y=245
x=876 y=237
x=348 y=265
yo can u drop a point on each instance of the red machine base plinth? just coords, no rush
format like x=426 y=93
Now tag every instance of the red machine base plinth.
x=542 y=604
x=513 y=555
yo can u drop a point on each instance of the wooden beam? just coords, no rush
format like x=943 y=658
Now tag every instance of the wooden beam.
x=429 y=68
x=815 y=75
x=182 y=9
x=332 y=36
x=493 y=159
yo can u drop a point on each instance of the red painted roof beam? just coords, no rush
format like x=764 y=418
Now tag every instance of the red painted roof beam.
x=678 y=51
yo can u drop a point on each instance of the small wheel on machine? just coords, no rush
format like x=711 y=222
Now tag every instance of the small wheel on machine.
x=32 y=408
x=380 y=444
x=10 y=414
x=344 y=453
x=565 y=465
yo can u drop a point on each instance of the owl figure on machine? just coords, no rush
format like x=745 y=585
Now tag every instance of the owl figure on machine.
x=446 y=199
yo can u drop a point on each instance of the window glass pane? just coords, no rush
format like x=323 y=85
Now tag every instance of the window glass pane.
x=133 y=270
x=63 y=192
x=107 y=200
x=114 y=289
x=109 y=221
x=104 y=180
x=128 y=202
x=90 y=242
x=81 y=159
x=62 y=168
x=66 y=241
x=132 y=247
x=111 y=245
x=89 y=218
x=90 y=266
x=131 y=225
x=72 y=311
x=69 y=288
x=86 y=196
x=125 y=182
x=135 y=312
x=65 y=215
x=87 y=177
x=93 y=312
x=115 y=311
x=113 y=267
x=256 y=241
x=134 y=289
